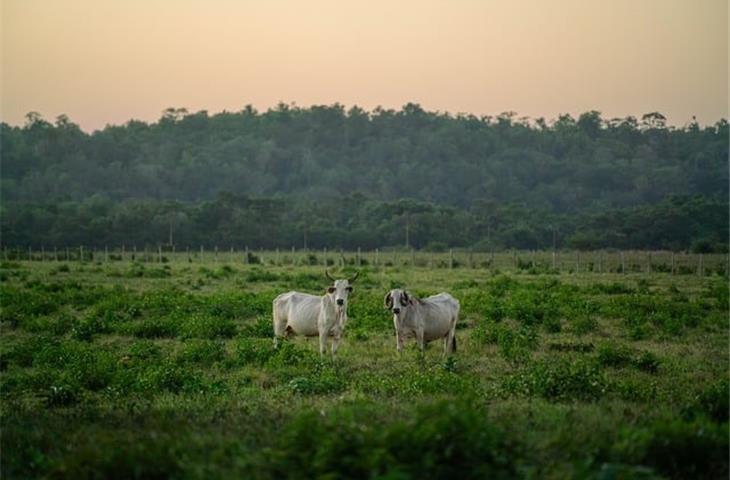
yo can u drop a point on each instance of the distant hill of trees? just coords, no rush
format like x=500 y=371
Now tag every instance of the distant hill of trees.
x=337 y=178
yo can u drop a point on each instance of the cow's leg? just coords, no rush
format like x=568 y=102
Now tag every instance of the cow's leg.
x=322 y=342
x=419 y=338
x=399 y=341
x=450 y=340
x=336 y=337
x=280 y=329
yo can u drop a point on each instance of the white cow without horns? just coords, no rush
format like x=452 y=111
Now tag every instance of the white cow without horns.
x=426 y=319
x=310 y=315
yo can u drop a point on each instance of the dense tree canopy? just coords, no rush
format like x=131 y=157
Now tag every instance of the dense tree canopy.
x=333 y=177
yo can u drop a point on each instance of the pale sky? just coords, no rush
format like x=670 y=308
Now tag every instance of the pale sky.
x=105 y=62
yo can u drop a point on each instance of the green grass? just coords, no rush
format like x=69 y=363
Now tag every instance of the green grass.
x=138 y=371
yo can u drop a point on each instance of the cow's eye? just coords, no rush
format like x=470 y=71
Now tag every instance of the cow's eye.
x=349 y=289
x=331 y=290
x=403 y=301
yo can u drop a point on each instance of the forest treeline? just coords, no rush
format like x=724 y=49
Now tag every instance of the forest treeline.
x=329 y=177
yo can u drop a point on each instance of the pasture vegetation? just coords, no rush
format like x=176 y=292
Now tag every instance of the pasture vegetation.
x=134 y=371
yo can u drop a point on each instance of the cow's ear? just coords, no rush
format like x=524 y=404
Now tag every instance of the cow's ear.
x=409 y=298
x=331 y=290
x=388 y=300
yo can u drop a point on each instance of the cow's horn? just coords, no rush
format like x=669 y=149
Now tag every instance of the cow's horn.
x=327 y=274
x=350 y=280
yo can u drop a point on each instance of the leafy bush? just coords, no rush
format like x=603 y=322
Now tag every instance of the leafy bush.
x=561 y=379
x=679 y=448
x=254 y=351
x=321 y=381
x=713 y=402
x=204 y=352
x=261 y=327
x=60 y=396
x=444 y=440
x=616 y=355
x=207 y=326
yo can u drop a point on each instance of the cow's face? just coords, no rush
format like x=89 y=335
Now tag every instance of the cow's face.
x=340 y=291
x=397 y=301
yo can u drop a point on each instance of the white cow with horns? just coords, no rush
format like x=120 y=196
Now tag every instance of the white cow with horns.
x=311 y=315
x=425 y=319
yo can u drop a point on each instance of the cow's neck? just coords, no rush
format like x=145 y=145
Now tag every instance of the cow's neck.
x=331 y=306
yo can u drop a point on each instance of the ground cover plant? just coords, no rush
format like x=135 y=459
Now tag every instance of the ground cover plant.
x=128 y=370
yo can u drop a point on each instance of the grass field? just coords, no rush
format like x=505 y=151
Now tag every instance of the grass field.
x=131 y=370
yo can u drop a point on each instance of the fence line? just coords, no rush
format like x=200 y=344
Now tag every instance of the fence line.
x=535 y=261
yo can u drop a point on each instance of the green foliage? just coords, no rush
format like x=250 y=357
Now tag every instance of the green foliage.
x=260 y=327
x=509 y=182
x=515 y=343
x=679 y=448
x=713 y=402
x=442 y=440
x=561 y=380
x=203 y=352
x=610 y=354
x=187 y=383
x=320 y=382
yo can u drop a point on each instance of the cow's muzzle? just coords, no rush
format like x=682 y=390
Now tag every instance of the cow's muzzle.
x=396 y=311
x=340 y=301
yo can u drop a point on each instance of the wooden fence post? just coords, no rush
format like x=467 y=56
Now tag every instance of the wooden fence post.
x=245 y=255
x=623 y=262
x=377 y=254
x=413 y=257
x=359 y=257
x=81 y=253
x=324 y=255
x=672 y=263
x=700 y=267
x=451 y=258
x=106 y=254
x=648 y=261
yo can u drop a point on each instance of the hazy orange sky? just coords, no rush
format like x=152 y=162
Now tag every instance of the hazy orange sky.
x=102 y=61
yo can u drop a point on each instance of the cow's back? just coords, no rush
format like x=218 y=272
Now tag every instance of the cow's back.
x=444 y=302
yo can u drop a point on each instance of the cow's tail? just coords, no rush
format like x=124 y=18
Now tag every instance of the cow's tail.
x=453 y=342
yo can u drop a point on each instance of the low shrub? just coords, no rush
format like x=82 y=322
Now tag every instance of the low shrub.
x=447 y=439
x=260 y=327
x=321 y=381
x=558 y=379
x=203 y=352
